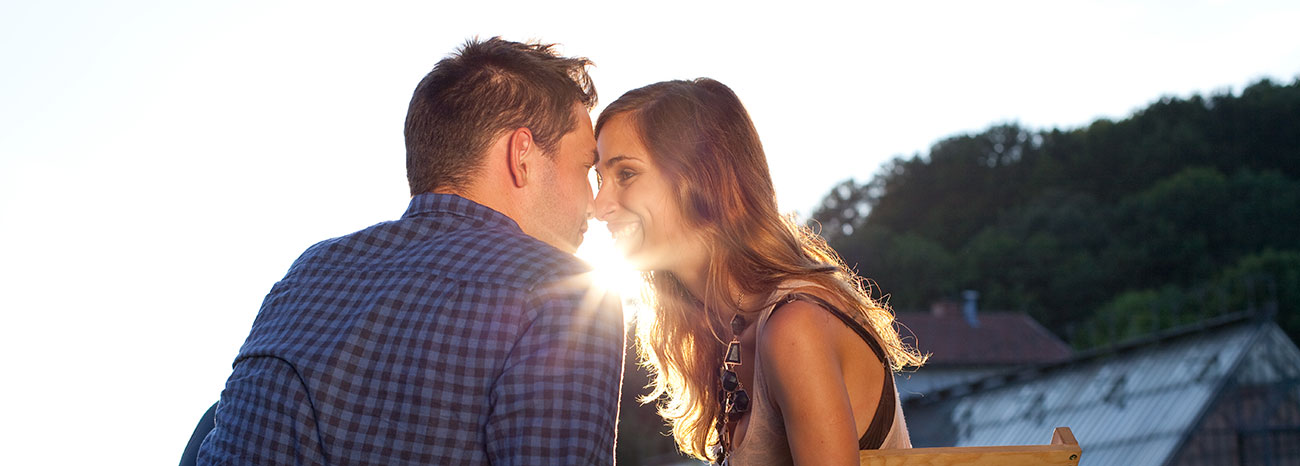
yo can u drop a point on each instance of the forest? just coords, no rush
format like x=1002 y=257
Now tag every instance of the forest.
x=1186 y=210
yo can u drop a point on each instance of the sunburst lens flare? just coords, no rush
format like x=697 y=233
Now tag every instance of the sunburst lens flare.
x=611 y=270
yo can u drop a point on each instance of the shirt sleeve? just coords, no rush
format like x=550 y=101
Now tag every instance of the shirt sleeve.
x=556 y=401
x=264 y=417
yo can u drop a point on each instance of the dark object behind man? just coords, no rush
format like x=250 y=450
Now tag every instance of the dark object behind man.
x=465 y=332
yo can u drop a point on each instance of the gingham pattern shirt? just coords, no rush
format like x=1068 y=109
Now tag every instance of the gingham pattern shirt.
x=446 y=337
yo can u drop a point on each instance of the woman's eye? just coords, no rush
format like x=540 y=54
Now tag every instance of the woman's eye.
x=624 y=175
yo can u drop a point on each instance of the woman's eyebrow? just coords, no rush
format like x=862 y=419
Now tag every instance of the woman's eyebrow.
x=616 y=159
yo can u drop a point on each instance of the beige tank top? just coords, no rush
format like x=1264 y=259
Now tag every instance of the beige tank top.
x=765 y=441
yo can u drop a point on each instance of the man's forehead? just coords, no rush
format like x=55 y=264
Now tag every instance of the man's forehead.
x=584 y=115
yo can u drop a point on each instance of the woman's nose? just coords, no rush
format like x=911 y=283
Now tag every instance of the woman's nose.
x=604 y=203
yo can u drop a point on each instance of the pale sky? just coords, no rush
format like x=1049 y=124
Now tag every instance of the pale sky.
x=162 y=164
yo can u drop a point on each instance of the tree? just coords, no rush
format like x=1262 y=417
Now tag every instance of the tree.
x=1068 y=223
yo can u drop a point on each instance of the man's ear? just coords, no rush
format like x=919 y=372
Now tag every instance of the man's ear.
x=520 y=150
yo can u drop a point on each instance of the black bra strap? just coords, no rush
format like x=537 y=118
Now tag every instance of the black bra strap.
x=884 y=417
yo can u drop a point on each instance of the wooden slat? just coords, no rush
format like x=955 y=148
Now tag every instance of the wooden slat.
x=1064 y=451
x=1063 y=436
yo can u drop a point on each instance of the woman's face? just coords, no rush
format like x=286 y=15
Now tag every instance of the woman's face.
x=639 y=205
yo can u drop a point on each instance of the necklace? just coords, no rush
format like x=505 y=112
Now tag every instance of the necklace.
x=734 y=399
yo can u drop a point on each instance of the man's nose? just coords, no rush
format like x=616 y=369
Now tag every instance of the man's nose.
x=591 y=207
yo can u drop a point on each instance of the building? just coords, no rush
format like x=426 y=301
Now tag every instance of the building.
x=1223 y=392
x=965 y=346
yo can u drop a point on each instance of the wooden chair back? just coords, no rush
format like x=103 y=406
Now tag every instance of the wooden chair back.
x=1064 y=450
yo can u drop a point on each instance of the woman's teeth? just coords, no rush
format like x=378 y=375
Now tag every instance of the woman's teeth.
x=626 y=230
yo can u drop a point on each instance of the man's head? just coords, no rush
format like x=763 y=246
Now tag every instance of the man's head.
x=510 y=122
x=474 y=95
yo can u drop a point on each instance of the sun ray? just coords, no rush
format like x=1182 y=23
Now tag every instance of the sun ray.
x=611 y=271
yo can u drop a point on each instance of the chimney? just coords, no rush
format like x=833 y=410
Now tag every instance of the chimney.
x=969 y=309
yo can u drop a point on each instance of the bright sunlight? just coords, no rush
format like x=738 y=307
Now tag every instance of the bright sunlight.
x=611 y=271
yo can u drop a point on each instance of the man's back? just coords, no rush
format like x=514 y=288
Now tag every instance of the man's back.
x=446 y=337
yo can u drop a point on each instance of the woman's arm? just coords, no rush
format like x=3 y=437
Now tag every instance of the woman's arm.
x=803 y=348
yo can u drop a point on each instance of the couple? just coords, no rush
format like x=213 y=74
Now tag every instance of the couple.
x=466 y=332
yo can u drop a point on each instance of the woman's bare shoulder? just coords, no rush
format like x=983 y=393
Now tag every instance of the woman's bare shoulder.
x=802 y=332
x=799 y=332
x=800 y=351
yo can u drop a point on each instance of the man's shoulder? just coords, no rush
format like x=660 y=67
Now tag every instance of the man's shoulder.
x=497 y=255
x=502 y=255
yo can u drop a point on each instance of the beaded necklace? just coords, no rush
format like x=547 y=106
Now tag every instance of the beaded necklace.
x=732 y=396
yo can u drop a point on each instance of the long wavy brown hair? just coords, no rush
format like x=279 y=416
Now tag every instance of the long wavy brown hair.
x=701 y=137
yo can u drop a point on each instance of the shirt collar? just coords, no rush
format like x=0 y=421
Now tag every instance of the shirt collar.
x=435 y=203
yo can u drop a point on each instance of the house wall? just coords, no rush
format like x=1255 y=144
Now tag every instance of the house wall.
x=1256 y=418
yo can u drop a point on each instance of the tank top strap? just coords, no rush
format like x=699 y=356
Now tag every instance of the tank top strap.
x=883 y=419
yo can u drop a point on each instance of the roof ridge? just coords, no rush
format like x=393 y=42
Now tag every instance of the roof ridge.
x=1169 y=334
x=1031 y=371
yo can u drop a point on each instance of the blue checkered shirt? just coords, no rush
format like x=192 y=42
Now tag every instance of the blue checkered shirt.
x=445 y=337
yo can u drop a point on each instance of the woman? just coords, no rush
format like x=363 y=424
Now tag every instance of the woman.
x=766 y=348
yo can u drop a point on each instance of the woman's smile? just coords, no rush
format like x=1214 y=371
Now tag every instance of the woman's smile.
x=626 y=234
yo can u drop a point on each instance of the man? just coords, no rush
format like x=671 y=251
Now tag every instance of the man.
x=465 y=332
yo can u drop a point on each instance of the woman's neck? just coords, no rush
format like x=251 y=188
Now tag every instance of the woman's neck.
x=696 y=281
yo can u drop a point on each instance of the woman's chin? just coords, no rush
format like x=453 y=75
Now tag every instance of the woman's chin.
x=641 y=258
x=629 y=250
x=638 y=261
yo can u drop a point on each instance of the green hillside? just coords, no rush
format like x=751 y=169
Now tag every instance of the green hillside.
x=1187 y=209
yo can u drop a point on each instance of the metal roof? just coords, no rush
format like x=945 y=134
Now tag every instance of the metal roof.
x=1133 y=405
